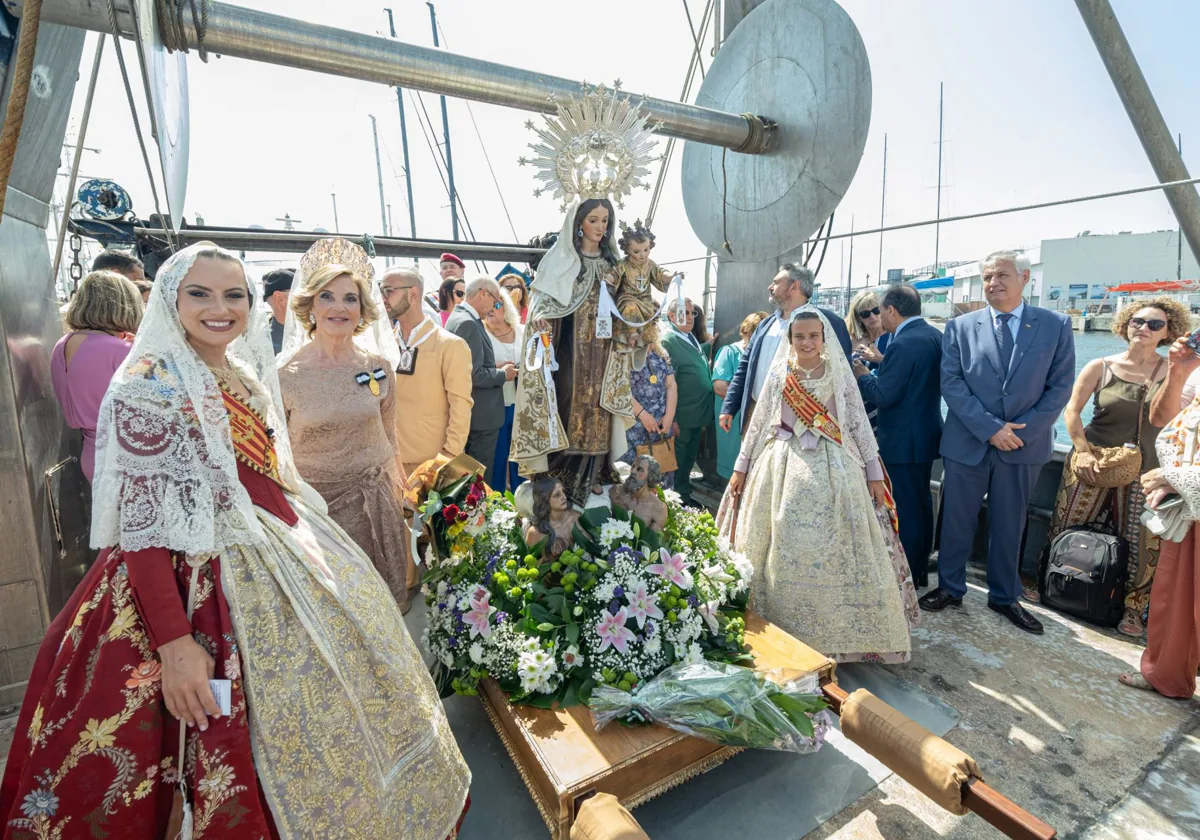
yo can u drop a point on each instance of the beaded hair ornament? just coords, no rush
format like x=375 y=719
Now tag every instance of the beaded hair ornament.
x=597 y=145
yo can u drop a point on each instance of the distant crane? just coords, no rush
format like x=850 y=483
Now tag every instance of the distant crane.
x=288 y=222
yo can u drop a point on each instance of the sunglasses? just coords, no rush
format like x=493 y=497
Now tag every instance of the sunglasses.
x=867 y=313
x=1152 y=324
x=511 y=287
x=497 y=306
x=458 y=293
x=388 y=291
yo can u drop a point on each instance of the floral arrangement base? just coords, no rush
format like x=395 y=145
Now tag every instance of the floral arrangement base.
x=563 y=759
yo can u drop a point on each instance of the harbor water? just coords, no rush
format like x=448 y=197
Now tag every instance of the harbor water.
x=1089 y=346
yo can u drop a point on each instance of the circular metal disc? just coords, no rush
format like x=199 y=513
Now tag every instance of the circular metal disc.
x=802 y=64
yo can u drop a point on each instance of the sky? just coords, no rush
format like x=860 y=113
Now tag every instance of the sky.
x=1030 y=115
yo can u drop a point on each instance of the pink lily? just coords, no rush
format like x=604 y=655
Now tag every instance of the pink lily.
x=672 y=567
x=477 y=618
x=642 y=605
x=479 y=594
x=613 y=632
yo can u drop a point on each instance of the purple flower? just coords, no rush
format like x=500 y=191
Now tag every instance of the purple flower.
x=501 y=617
x=452 y=642
x=693 y=601
x=618 y=591
x=614 y=605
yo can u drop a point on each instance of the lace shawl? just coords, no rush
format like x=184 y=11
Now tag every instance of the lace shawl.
x=1178 y=447
x=564 y=279
x=857 y=439
x=166 y=474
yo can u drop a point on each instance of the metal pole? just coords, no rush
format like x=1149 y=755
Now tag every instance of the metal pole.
x=937 y=230
x=83 y=127
x=1179 y=240
x=379 y=174
x=1143 y=112
x=237 y=32
x=336 y=227
x=412 y=210
x=388 y=260
x=883 y=205
x=850 y=267
x=446 y=136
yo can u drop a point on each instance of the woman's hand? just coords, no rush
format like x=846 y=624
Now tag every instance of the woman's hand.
x=736 y=482
x=540 y=325
x=878 y=493
x=186 y=670
x=648 y=422
x=870 y=353
x=667 y=424
x=1086 y=466
x=1183 y=357
x=1154 y=480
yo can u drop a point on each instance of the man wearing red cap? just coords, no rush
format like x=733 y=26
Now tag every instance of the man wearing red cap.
x=452 y=267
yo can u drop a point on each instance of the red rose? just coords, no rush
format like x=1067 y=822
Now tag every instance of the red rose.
x=473 y=499
x=450 y=512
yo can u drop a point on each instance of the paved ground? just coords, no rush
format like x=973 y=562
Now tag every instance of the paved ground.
x=1051 y=728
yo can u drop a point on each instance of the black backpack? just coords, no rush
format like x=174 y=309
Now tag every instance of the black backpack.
x=1084 y=573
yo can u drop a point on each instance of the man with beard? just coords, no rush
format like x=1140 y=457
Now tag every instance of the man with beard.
x=433 y=380
x=792 y=288
x=639 y=493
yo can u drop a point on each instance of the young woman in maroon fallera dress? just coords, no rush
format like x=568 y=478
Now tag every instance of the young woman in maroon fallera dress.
x=220 y=562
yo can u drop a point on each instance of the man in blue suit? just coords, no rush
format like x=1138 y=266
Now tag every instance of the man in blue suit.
x=792 y=287
x=907 y=391
x=1007 y=372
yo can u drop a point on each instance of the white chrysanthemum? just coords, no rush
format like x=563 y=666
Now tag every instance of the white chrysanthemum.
x=694 y=654
x=654 y=645
x=672 y=497
x=615 y=530
x=442 y=588
x=605 y=590
x=535 y=669
x=476 y=653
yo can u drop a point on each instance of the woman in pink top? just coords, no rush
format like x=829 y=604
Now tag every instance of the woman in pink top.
x=101 y=321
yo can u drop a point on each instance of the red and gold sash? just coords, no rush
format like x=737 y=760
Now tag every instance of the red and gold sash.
x=811 y=411
x=252 y=440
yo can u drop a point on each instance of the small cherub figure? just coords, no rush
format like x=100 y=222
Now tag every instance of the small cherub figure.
x=552 y=517
x=639 y=493
x=634 y=276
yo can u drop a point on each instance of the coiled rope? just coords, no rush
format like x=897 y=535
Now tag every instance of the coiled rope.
x=22 y=72
x=170 y=23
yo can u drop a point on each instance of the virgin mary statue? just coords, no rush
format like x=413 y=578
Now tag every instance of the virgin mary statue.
x=570 y=391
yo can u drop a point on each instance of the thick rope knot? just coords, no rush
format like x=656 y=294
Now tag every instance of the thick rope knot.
x=171 y=24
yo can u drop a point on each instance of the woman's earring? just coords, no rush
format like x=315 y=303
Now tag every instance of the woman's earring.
x=579 y=233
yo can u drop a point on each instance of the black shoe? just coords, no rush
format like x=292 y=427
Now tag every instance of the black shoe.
x=938 y=600
x=1018 y=615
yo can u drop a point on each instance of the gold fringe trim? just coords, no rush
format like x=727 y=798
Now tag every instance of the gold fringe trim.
x=699 y=768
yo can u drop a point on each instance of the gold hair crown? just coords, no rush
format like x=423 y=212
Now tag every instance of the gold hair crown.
x=337 y=252
x=597 y=145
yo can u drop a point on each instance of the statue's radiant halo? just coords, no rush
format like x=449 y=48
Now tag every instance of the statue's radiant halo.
x=597 y=145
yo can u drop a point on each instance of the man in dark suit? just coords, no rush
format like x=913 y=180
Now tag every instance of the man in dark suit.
x=791 y=288
x=1007 y=372
x=487 y=380
x=907 y=391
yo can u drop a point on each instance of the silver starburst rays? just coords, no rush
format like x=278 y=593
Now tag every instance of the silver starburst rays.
x=597 y=145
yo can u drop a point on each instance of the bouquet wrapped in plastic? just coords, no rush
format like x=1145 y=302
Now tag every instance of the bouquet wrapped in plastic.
x=726 y=704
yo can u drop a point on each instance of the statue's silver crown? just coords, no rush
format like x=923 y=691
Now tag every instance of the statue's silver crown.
x=597 y=145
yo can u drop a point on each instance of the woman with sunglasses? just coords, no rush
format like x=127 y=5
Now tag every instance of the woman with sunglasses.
x=513 y=285
x=1120 y=388
x=866 y=329
x=450 y=295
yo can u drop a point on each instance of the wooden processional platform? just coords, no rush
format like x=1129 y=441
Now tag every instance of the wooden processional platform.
x=563 y=759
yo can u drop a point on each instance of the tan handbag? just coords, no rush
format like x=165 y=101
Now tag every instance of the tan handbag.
x=1117 y=466
x=663 y=451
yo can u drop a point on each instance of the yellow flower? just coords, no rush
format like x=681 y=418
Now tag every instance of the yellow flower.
x=143 y=790
x=124 y=622
x=99 y=734
x=35 y=725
